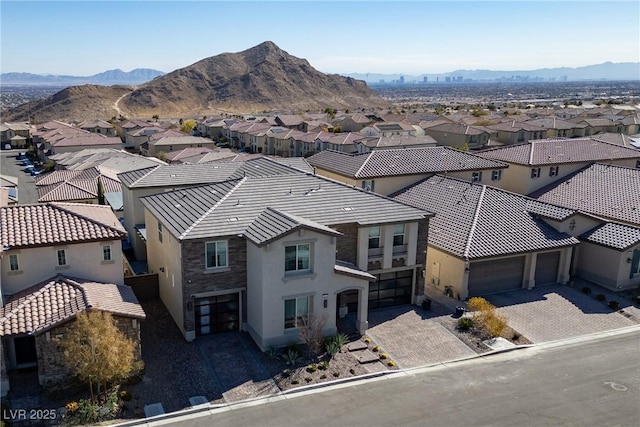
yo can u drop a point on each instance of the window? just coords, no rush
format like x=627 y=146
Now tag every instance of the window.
x=635 y=264
x=160 y=232
x=637 y=164
x=374 y=237
x=496 y=175
x=296 y=311
x=369 y=184
x=13 y=262
x=62 y=257
x=216 y=254
x=476 y=176
x=398 y=235
x=553 y=170
x=106 y=253
x=535 y=173
x=297 y=257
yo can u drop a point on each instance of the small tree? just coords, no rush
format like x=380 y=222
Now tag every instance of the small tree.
x=311 y=330
x=97 y=351
x=187 y=126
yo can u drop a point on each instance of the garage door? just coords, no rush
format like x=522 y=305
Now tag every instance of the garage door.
x=390 y=289
x=488 y=277
x=217 y=314
x=547 y=268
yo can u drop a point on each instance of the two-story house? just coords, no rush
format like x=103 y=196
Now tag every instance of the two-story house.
x=535 y=164
x=58 y=259
x=261 y=254
x=460 y=135
x=387 y=171
x=514 y=132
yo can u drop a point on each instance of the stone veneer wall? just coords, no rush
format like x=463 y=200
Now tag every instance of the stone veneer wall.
x=51 y=367
x=195 y=278
x=347 y=244
x=421 y=254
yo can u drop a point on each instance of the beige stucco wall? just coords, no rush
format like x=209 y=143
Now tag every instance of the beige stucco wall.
x=166 y=255
x=268 y=286
x=84 y=260
x=606 y=266
x=517 y=178
x=444 y=270
x=580 y=224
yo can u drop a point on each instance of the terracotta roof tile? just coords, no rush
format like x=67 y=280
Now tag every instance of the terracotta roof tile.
x=52 y=302
x=57 y=223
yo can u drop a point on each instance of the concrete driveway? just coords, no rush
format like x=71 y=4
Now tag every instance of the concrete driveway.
x=557 y=312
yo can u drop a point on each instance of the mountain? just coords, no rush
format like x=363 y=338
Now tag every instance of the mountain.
x=110 y=77
x=263 y=77
x=604 y=71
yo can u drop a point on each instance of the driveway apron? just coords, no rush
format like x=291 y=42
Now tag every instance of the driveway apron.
x=236 y=365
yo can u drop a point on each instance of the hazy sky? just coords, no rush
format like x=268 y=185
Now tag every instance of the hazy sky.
x=409 y=37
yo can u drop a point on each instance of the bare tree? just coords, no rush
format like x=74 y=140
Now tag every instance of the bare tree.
x=311 y=332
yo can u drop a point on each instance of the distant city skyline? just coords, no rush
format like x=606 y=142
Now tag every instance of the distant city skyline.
x=83 y=38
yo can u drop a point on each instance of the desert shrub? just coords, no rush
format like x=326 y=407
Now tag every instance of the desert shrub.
x=495 y=324
x=336 y=374
x=324 y=365
x=601 y=297
x=332 y=348
x=586 y=290
x=465 y=323
x=516 y=336
x=310 y=332
x=308 y=379
x=272 y=352
x=295 y=382
x=376 y=348
x=479 y=304
x=391 y=363
x=286 y=373
x=352 y=371
x=614 y=305
x=367 y=340
x=312 y=368
x=383 y=356
x=323 y=376
x=340 y=339
x=292 y=356
x=125 y=396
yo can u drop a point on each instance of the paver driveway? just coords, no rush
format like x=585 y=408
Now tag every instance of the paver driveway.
x=556 y=312
x=411 y=337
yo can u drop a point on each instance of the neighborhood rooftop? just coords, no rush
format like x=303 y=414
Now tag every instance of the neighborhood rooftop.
x=229 y=208
x=558 y=151
x=56 y=224
x=605 y=190
x=614 y=235
x=166 y=175
x=52 y=302
x=477 y=221
x=397 y=162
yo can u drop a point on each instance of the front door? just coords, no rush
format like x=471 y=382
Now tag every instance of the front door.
x=25 y=350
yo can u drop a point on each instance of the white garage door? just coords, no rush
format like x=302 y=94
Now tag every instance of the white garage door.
x=489 y=277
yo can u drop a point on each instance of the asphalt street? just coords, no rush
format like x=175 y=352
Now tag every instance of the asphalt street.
x=584 y=383
x=26 y=185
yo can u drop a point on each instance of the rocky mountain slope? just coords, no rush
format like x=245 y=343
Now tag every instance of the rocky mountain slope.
x=261 y=78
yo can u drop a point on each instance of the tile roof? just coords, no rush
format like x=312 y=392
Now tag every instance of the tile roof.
x=403 y=161
x=58 y=300
x=458 y=128
x=91 y=139
x=477 y=221
x=557 y=151
x=348 y=269
x=191 y=151
x=515 y=126
x=183 y=174
x=604 y=190
x=49 y=224
x=230 y=207
x=69 y=185
x=614 y=235
x=272 y=224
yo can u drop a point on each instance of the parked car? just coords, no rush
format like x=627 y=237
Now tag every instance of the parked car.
x=35 y=172
x=26 y=162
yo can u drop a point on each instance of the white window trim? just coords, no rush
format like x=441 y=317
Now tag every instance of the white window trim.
x=106 y=249
x=296 y=298
x=496 y=175
x=17 y=263
x=64 y=255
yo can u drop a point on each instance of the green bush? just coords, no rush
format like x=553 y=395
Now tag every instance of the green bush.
x=332 y=348
x=601 y=297
x=324 y=365
x=465 y=323
x=340 y=339
x=312 y=368
x=292 y=356
x=272 y=352
x=614 y=305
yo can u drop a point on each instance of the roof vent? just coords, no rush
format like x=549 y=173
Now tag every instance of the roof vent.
x=347 y=209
